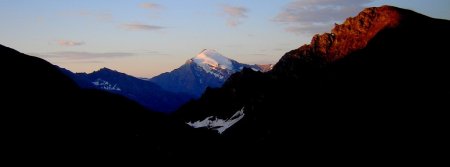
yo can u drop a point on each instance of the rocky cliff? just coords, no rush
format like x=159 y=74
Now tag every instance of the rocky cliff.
x=348 y=37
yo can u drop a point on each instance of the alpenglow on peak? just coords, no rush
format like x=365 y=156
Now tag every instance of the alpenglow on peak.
x=211 y=58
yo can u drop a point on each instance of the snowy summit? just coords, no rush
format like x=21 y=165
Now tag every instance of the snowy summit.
x=212 y=59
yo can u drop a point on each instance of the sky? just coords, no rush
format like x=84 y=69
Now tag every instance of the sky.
x=144 y=38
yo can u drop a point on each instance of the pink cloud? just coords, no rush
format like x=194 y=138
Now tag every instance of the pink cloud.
x=317 y=16
x=69 y=43
x=235 y=14
x=151 y=6
x=141 y=27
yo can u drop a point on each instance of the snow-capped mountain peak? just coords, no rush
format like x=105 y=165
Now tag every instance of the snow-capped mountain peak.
x=208 y=69
x=212 y=59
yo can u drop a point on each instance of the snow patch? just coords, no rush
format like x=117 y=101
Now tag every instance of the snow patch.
x=219 y=125
x=102 y=84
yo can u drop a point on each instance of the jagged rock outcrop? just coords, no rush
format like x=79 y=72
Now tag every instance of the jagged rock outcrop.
x=354 y=34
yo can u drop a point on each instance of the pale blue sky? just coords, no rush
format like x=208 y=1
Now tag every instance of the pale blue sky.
x=145 y=38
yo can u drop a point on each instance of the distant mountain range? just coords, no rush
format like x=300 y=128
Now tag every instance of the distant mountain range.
x=374 y=89
x=208 y=69
x=144 y=92
x=168 y=91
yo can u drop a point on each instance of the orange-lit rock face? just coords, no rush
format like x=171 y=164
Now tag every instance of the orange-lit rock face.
x=354 y=33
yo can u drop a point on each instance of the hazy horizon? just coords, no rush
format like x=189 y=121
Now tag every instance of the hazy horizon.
x=146 y=38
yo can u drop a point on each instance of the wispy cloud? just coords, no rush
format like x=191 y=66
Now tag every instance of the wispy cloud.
x=154 y=9
x=312 y=28
x=316 y=16
x=88 y=14
x=101 y=16
x=82 y=55
x=234 y=14
x=258 y=54
x=78 y=62
x=69 y=43
x=141 y=27
x=151 y=6
x=153 y=53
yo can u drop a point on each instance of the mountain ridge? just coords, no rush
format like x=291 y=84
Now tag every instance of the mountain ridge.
x=146 y=93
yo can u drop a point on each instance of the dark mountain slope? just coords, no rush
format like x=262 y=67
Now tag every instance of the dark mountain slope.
x=373 y=84
x=28 y=92
x=40 y=102
x=80 y=79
